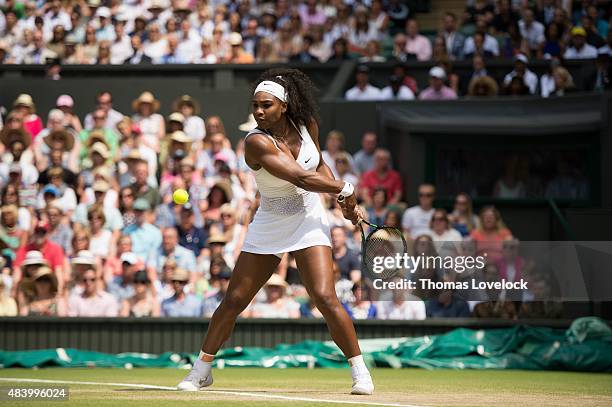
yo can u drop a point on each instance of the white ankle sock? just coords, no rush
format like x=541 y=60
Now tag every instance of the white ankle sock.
x=358 y=366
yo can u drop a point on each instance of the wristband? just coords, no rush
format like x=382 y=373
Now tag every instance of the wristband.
x=347 y=190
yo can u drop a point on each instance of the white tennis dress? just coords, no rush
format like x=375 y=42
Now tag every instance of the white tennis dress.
x=288 y=218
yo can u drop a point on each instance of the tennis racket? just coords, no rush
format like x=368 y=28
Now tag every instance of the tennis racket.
x=381 y=241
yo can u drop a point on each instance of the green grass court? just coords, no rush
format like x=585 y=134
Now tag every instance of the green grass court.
x=321 y=387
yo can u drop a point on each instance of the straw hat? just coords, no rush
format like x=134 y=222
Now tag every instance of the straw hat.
x=100 y=186
x=276 y=280
x=187 y=100
x=180 y=137
x=180 y=275
x=10 y=136
x=34 y=257
x=101 y=149
x=249 y=125
x=24 y=100
x=66 y=138
x=218 y=238
x=146 y=97
x=96 y=136
x=134 y=155
x=176 y=117
x=84 y=257
x=28 y=284
x=225 y=187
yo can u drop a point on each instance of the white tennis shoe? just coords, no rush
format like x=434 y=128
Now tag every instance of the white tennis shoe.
x=198 y=378
x=362 y=384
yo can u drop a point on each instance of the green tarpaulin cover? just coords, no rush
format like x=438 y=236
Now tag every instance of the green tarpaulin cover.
x=585 y=346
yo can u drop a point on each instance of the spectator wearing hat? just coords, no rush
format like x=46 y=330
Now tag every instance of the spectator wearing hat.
x=41 y=295
x=437 y=90
x=190 y=236
x=99 y=133
x=381 y=176
x=8 y=306
x=579 y=49
x=56 y=140
x=52 y=254
x=175 y=148
x=396 y=90
x=64 y=194
x=146 y=238
x=142 y=303
x=83 y=260
x=170 y=247
x=120 y=286
x=277 y=303
x=93 y=302
x=71 y=121
x=175 y=123
x=215 y=249
x=18 y=157
x=104 y=101
x=11 y=196
x=152 y=125
x=142 y=189
x=237 y=54
x=417 y=44
x=362 y=90
x=113 y=219
x=181 y=304
x=193 y=124
x=521 y=70
x=59 y=230
x=24 y=106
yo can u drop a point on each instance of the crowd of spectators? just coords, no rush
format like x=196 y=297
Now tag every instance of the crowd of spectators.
x=250 y=31
x=88 y=226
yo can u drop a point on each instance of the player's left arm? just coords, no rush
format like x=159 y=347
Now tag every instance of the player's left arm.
x=322 y=168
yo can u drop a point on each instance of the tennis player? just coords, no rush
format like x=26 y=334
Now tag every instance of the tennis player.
x=283 y=152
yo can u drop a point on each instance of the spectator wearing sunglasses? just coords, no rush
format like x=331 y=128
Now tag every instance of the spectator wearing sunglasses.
x=93 y=302
x=416 y=219
x=181 y=304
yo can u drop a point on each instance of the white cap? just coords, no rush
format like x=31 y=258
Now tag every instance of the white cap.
x=129 y=257
x=522 y=58
x=437 y=72
x=103 y=12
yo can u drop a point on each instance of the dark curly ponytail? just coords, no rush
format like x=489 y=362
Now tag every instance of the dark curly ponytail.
x=301 y=105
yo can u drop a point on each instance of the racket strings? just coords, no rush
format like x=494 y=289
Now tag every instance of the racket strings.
x=383 y=242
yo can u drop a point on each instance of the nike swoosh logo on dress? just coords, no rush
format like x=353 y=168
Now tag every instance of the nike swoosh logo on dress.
x=307 y=160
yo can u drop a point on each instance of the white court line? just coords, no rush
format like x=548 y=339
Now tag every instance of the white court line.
x=236 y=393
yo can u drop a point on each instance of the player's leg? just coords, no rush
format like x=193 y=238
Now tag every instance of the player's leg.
x=315 y=268
x=249 y=275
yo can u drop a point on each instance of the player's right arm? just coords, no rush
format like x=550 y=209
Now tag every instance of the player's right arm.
x=262 y=152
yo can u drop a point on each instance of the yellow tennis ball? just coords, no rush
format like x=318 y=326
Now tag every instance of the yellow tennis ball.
x=180 y=196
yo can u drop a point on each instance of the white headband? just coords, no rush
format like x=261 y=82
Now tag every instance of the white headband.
x=273 y=88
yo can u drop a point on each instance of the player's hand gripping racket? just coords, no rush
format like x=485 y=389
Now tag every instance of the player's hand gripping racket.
x=381 y=241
